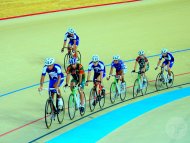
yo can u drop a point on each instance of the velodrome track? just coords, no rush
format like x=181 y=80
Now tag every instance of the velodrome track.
x=121 y=29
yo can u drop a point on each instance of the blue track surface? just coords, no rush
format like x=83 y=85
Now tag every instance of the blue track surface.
x=99 y=127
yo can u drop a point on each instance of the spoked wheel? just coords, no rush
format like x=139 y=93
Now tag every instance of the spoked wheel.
x=113 y=92
x=144 y=86
x=61 y=112
x=48 y=112
x=160 y=82
x=92 y=99
x=123 y=92
x=71 y=106
x=79 y=57
x=82 y=113
x=171 y=83
x=136 y=88
x=66 y=61
x=101 y=99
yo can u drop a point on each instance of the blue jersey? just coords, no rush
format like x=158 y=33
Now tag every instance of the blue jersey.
x=119 y=66
x=72 y=38
x=98 y=68
x=54 y=73
x=168 y=57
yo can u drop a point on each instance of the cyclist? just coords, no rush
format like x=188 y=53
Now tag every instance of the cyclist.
x=120 y=68
x=56 y=79
x=99 y=71
x=169 y=61
x=143 y=64
x=73 y=41
x=76 y=70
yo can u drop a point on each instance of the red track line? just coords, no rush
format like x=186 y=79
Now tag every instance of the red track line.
x=1 y=135
x=67 y=9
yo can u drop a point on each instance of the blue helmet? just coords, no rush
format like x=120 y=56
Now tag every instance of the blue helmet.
x=72 y=61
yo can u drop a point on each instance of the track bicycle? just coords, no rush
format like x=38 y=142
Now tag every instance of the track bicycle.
x=52 y=109
x=117 y=89
x=96 y=95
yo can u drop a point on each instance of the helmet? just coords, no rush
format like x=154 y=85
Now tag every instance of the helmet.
x=95 y=58
x=73 y=61
x=116 y=57
x=141 y=52
x=164 y=51
x=49 y=61
x=71 y=30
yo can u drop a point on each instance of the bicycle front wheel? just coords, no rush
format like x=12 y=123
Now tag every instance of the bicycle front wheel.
x=136 y=88
x=71 y=106
x=60 y=112
x=92 y=99
x=79 y=56
x=123 y=92
x=48 y=112
x=169 y=84
x=66 y=61
x=159 y=84
x=113 y=92
x=144 y=86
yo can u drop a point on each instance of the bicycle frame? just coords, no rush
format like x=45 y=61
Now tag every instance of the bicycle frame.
x=116 y=80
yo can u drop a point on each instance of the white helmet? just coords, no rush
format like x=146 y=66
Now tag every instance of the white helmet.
x=141 y=52
x=95 y=58
x=71 y=30
x=116 y=57
x=164 y=51
x=49 y=61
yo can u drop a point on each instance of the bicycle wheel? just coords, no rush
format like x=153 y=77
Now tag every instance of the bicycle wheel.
x=92 y=99
x=101 y=100
x=48 y=111
x=123 y=92
x=159 y=84
x=113 y=92
x=82 y=113
x=60 y=112
x=136 y=88
x=66 y=61
x=171 y=83
x=79 y=56
x=71 y=106
x=145 y=86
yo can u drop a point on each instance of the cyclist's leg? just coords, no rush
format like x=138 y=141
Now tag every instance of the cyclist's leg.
x=60 y=102
x=52 y=92
x=81 y=91
x=169 y=71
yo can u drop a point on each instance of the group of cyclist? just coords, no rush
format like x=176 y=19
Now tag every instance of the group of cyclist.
x=76 y=70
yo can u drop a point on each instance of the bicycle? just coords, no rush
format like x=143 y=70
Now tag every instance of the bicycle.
x=140 y=85
x=74 y=102
x=96 y=95
x=69 y=55
x=117 y=90
x=163 y=80
x=52 y=109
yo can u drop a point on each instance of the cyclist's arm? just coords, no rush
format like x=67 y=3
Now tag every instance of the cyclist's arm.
x=101 y=75
x=89 y=74
x=168 y=66
x=42 y=81
x=111 y=71
x=80 y=78
x=135 y=66
x=74 y=45
x=67 y=78
x=58 y=82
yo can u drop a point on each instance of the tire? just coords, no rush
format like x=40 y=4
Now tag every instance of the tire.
x=113 y=92
x=48 y=112
x=170 y=84
x=92 y=98
x=123 y=93
x=61 y=112
x=101 y=100
x=84 y=105
x=66 y=61
x=71 y=106
x=159 y=84
x=136 y=88
x=79 y=56
x=144 y=89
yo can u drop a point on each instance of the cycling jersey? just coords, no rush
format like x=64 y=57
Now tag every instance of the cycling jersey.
x=75 y=72
x=72 y=38
x=167 y=57
x=141 y=61
x=98 y=68
x=118 y=66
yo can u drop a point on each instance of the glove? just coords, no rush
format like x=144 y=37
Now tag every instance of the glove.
x=156 y=68
x=66 y=85
x=133 y=71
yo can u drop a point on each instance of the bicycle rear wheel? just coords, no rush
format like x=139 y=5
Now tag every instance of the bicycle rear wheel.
x=113 y=92
x=66 y=61
x=145 y=86
x=82 y=113
x=171 y=83
x=48 y=112
x=159 y=84
x=71 y=106
x=123 y=92
x=92 y=99
x=136 y=88
x=60 y=112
